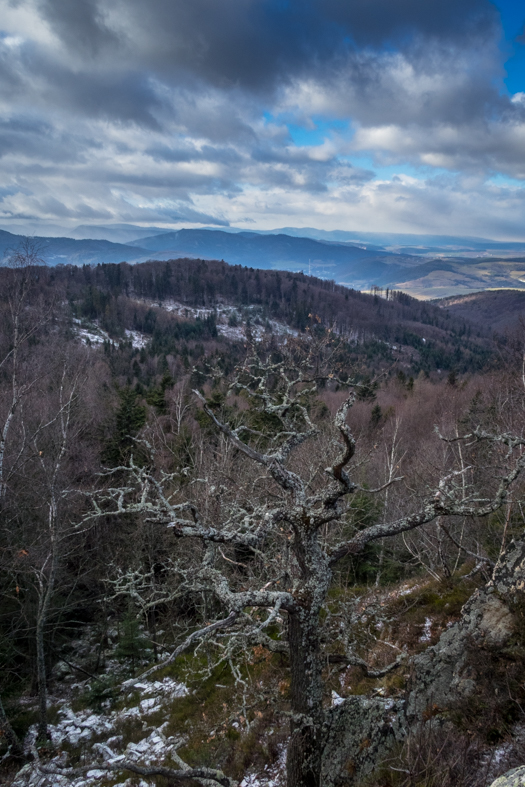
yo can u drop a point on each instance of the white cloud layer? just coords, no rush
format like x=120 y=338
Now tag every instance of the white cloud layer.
x=176 y=112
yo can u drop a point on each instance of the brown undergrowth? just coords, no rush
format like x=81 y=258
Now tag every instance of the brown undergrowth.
x=404 y=618
x=481 y=736
x=225 y=724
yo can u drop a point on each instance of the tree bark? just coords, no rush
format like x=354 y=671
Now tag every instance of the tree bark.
x=41 y=677
x=10 y=735
x=303 y=764
x=46 y=592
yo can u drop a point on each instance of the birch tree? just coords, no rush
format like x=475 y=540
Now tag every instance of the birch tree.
x=39 y=527
x=50 y=453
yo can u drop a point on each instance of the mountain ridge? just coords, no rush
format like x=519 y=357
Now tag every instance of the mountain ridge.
x=349 y=264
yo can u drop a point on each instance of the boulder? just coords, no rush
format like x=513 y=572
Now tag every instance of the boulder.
x=360 y=732
x=513 y=778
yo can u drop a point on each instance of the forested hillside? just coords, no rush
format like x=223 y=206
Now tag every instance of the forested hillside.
x=384 y=328
x=249 y=521
x=503 y=310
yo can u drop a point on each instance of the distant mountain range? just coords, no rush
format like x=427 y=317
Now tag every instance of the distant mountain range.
x=376 y=241
x=477 y=264
x=116 y=233
x=404 y=243
x=56 y=251
x=347 y=263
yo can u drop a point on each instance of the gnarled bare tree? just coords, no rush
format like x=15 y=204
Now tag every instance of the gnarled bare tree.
x=268 y=559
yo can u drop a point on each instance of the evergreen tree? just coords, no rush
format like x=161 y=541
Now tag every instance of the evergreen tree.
x=129 y=420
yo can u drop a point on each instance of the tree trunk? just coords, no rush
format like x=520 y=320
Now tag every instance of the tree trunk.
x=42 y=678
x=46 y=592
x=303 y=763
x=9 y=733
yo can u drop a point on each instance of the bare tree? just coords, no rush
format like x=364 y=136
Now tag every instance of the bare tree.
x=51 y=456
x=39 y=527
x=22 y=321
x=294 y=529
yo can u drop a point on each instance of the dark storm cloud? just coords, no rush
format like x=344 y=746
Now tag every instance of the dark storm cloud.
x=424 y=85
x=80 y=24
x=254 y=43
x=37 y=139
x=376 y=21
x=31 y=74
x=169 y=60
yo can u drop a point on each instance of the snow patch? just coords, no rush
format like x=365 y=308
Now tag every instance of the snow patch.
x=336 y=699
x=231 y=322
x=273 y=776
x=78 y=728
x=426 y=636
x=138 y=340
x=91 y=333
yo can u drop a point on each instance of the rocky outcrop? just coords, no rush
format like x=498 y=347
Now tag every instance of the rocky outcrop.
x=444 y=673
x=362 y=731
x=513 y=778
x=360 y=734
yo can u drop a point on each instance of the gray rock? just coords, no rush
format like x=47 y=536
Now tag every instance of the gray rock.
x=442 y=675
x=513 y=778
x=361 y=733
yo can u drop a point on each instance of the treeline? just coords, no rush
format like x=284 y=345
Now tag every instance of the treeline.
x=112 y=295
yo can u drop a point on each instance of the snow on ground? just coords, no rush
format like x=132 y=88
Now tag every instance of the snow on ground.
x=98 y=738
x=426 y=636
x=273 y=776
x=92 y=333
x=89 y=333
x=336 y=699
x=231 y=322
x=138 y=340
x=83 y=725
x=79 y=728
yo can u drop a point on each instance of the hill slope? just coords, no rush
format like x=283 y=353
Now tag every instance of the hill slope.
x=499 y=310
x=441 y=278
x=386 y=331
x=56 y=251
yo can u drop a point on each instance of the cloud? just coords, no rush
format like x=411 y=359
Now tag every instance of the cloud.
x=441 y=205
x=252 y=43
x=179 y=111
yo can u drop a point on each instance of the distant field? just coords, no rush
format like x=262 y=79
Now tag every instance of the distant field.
x=442 y=278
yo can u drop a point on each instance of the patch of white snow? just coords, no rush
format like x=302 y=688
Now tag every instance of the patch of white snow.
x=426 y=636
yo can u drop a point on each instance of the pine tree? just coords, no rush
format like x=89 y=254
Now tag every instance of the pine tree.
x=129 y=420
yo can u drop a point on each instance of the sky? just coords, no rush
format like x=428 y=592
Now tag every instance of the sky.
x=376 y=115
